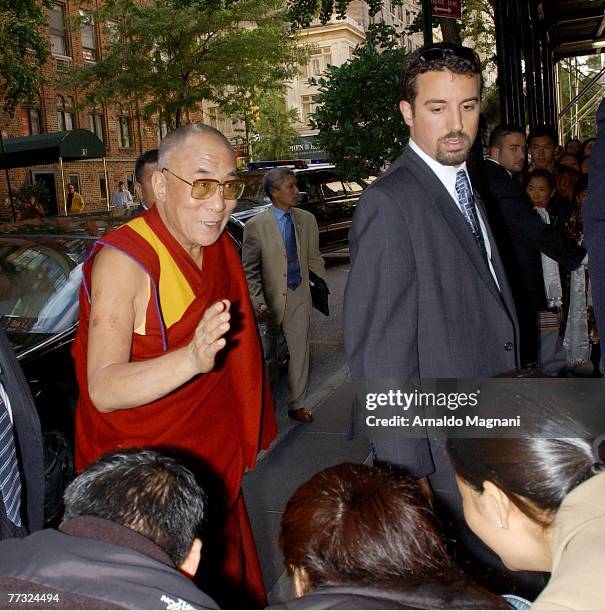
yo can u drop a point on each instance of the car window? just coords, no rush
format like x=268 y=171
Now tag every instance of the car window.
x=353 y=187
x=332 y=187
x=39 y=283
x=308 y=186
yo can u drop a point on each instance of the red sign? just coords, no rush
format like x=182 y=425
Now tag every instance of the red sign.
x=447 y=8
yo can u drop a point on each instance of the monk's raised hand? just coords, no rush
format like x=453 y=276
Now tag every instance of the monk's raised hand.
x=208 y=339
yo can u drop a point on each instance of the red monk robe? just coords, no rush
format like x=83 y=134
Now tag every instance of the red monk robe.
x=223 y=417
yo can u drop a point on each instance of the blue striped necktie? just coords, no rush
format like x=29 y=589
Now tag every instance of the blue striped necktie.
x=466 y=203
x=10 y=482
x=291 y=252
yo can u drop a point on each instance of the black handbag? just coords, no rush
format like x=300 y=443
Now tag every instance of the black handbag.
x=319 y=293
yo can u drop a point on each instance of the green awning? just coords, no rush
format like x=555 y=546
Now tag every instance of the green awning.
x=48 y=148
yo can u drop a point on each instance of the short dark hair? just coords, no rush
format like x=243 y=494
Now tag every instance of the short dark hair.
x=542 y=131
x=538 y=470
x=355 y=524
x=147 y=158
x=436 y=58
x=539 y=173
x=120 y=183
x=584 y=144
x=274 y=178
x=148 y=491
x=500 y=132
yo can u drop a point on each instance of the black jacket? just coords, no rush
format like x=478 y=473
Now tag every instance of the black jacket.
x=431 y=596
x=28 y=443
x=92 y=563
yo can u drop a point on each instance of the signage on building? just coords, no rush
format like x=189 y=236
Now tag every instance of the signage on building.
x=447 y=8
x=306 y=147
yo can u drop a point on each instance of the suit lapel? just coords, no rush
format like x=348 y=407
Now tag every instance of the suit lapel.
x=455 y=220
x=274 y=230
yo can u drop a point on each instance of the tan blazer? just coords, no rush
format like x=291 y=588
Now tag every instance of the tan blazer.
x=266 y=263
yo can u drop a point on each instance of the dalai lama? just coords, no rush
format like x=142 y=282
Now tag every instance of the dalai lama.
x=167 y=352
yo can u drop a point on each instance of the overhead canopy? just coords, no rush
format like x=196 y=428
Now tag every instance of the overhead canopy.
x=48 y=148
x=574 y=27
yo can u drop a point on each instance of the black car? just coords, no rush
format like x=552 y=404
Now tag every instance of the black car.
x=323 y=193
x=40 y=274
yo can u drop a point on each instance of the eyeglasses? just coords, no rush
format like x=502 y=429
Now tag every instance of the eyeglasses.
x=437 y=53
x=202 y=189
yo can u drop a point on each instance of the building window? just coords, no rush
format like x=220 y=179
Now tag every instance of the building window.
x=88 y=34
x=103 y=186
x=318 y=62
x=124 y=133
x=30 y=121
x=162 y=130
x=74 y=179
x=65 y=115
x=218 y=120
x=308 y=107
x=56 y=25
x=130 y=182
x=97 y=125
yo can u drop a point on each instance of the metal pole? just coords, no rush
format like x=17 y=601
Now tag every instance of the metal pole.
x=8 y=179
x=106 y=184
x=427 y=22
x=63 y=186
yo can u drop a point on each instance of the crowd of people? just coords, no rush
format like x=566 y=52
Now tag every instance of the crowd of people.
x=456 y=272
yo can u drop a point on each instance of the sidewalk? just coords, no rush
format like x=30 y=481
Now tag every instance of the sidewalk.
x=299 y=452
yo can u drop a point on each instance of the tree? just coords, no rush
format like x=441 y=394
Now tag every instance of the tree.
x=166 y=56
x=362 y=132
x=274 y=127
x=23 y=50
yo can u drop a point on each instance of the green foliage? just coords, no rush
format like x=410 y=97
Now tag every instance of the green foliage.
x=574 y=74
x=360 y=126
x=167 y=56
x=274 y=127
x=21 y=22
x=302 y=12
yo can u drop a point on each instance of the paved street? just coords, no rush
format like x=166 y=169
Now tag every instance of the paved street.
x=303 y=450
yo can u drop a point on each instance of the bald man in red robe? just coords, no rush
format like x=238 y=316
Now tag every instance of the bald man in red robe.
x=167 y=352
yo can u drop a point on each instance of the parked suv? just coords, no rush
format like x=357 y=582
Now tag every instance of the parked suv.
x=323 y=193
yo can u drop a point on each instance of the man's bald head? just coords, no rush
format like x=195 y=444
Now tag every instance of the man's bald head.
x=173 y=141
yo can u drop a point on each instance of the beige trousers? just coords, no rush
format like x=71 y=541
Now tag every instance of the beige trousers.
x=296 y=328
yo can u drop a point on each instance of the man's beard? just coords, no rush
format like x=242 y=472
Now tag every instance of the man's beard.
x=453 y=158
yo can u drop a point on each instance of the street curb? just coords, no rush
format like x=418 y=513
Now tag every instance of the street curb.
x=313 y=402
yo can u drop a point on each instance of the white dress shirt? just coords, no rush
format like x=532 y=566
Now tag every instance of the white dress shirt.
x=447 y=176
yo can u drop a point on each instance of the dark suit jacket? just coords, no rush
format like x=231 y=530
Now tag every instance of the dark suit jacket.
x=28 y=439
x=593 y=216
x=420 y=301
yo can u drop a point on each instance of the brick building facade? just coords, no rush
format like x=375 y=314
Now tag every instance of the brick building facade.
x=125 y=134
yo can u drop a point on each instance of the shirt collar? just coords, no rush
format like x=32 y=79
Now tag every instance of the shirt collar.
x=279 y=213
x=446 y=174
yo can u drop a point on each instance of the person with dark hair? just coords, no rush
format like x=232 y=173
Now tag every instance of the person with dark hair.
x=573 y=146
x=144 y=167
x=280 y=250
x=520 y=234
x=158 y=360
x=360 y=537
x=543 y=144
x=130 y=538
x=75 y=202
x=570 y=161
x=427 y=295
x=560 y=204
x=122 y=198
x=548 y=516
x=587 y=146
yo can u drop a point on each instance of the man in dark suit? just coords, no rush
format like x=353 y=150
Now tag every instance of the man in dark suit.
x=21 y=455
x=520 y=233
x=427 y=296
x=593 y=214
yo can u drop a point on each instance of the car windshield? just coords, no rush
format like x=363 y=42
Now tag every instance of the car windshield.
x=39 y=281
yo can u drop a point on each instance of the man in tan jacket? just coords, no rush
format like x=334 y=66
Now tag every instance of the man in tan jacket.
x=281 y=245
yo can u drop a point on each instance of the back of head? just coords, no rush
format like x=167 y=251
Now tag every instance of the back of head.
x=360 y=525
x=438 y=57
x=171 y=142
x=538 y=470
x=146 y=491
x=499 y=133
x=148 y=158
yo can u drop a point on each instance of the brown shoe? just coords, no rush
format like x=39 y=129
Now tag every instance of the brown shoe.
x=301 y=414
